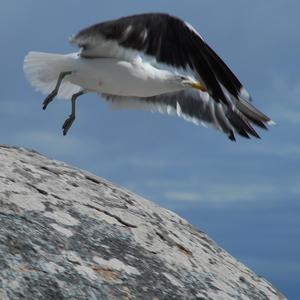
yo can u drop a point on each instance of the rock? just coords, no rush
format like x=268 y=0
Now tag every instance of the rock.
x=68 y=234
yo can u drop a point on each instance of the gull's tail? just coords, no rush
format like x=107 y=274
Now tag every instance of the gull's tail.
x=42 y=71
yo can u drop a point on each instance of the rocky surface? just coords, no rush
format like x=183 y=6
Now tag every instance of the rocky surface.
x=68 y=234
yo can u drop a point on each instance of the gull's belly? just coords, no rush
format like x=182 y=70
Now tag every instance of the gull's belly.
x=123 y=78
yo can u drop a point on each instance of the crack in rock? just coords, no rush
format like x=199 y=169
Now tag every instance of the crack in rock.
x=68 y=234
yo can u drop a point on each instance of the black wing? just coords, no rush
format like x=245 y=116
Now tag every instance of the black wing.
x=175 y=43
x=170 y=41
x=193 y=106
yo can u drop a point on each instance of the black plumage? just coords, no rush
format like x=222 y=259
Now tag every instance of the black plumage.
x=173 y=42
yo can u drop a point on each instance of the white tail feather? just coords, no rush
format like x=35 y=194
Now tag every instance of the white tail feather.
x=42 y=71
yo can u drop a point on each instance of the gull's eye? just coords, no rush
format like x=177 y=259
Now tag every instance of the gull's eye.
x=181 y=78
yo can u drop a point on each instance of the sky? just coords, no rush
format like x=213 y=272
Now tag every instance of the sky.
x=245 y=195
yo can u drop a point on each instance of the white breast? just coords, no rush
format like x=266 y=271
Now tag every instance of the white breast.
x=119 y=77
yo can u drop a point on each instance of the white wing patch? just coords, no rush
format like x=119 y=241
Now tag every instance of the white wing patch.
x=144 y=35
x=127 y=31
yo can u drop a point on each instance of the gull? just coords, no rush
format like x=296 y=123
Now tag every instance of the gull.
x=153 y=61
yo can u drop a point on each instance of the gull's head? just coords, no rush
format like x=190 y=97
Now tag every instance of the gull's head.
x=188 y=82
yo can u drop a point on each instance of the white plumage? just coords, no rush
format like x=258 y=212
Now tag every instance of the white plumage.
x=153 y=61
x=42 y=70
x=114 y=76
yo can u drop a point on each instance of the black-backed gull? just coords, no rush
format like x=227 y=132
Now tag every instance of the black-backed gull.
x=153 y=61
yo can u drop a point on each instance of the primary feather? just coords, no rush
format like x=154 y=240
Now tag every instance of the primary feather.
x=168 y=40
x=163 y=43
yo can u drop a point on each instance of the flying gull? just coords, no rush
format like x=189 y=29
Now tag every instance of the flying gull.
x=153 y=61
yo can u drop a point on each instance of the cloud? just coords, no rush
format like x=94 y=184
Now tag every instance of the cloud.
x=184 y=196
x=291 y=116
x=224 y=193
x=285 y=108
x=141 y=162
x=42 y=140
x=276 y=148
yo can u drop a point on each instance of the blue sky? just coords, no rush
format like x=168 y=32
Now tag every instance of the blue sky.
x=245 y=195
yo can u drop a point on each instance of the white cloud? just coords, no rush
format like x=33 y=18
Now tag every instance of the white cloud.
x=224 y=193
x=285 y=104
x=145 y=162
x=43 y=141
x=184 y=196
x=276 y=148
x=291 y=116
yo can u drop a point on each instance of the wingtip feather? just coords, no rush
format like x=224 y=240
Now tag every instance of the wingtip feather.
x=271 y=123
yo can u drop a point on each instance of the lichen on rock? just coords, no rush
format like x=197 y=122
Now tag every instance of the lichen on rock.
x=68 y=234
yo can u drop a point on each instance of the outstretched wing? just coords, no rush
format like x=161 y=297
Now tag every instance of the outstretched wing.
x=167 y=40
x=196 y=107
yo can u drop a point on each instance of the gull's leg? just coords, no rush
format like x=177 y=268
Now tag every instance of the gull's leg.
x=51 y=96
x=68 y=123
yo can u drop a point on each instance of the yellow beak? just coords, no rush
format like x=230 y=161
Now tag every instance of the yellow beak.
x=199 y=86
